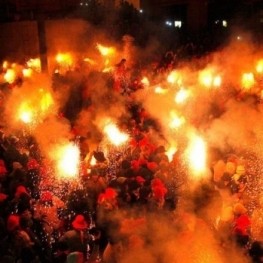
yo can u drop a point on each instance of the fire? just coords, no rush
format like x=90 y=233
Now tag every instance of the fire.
x=34 y=63
x=160 y=90
x=68 y=160
x=197 y=155
x=64 y=59
x=170 y=152
x=10 y=76
x=90 y=61
x=115 y=136
x=93 y=161
x=105 y=51
x=259 y=66
x=5 y=64
x=27 y=72
x=25 y=113
x=181 y=96
x=174 y=77
x=46 y=100
x=248 y=80
x=207 y=79
x=176 y=121
x=145 y=81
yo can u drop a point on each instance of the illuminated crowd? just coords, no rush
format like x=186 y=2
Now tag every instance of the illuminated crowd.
x=115 y=160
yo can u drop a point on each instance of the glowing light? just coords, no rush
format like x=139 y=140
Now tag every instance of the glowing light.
x=206 y=78
x=64 y=59
x=170 y=152
x=174 y=77
x=145 y=81
x=176 y=121
x=90 y=61
x=25 y=113
x=46 y=100
x=248 y=80
x=259 y=66
x=68 y=160
x=160 y=90
x=115 y=136
x=34 y=63
x=27 y=72
x=181 y=96
x=10 y=76
x=217 y=81
x=197 y=155
x=93 y=161
x=5 y=65
x=105 y=51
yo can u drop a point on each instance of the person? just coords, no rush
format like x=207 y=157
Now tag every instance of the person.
x=77 y=239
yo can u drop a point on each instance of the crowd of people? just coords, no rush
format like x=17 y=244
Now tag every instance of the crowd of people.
x=113 y=207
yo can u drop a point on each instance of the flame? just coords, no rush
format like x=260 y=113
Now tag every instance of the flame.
x=27 y=72
x=170 y=152
x=208 y=79
x=93 y=161
x=90 y=61
x=181 y=96
x=145 y=81
x=34 y=63
x=115 y=136
x=46 y=100
x=259 y=66
x=176 y=121
x=160 y=90
x=25 y=113
x=174 y=77
x=5 y=64
x=10 y=76
x=197 y=155
x=248 y=80
x=105 y=51
x=68 y=160
x=64 y=59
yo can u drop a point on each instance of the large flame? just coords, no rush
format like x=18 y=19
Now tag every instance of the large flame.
x=105 y=51
x=208 y=79
x=175 y=120
x=174 y=78
x=67 y=159
x=64 y=59
x=10 y=76
x=25 y=113
x=34 y=63
x=248 y=80
x=259 y=66
x=115 y=136
x=196 y=154
x=182 y=95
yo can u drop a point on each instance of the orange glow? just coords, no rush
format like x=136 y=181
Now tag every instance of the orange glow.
x=208 y=79
x=64 y=59
x=176 y=121
x=34 y=63
x=10 y=76
x=181 y=96
x=25 y=113
x=197 y=155
x=145 y=81
x=174 y=78
x=115 y=136
x=170 y=152
x=5 y=65
x=248 y=80
x=259 y=66
x=90 y=61
x=105 y=51
x=27 y=72
x=93 y=161
x=46 y=100
x=160 y=90
x=67 y=159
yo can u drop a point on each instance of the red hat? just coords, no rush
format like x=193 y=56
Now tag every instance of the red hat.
x=46 y=196
x=32 y=164
x=13 y=222
x=110 y=193
x=139 y=179
x=3 y=197
x=80 y=223
x=20 y=190
x=159 y=192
